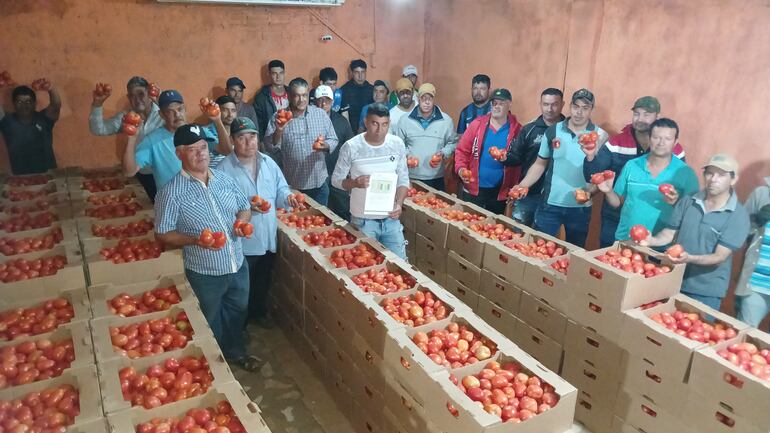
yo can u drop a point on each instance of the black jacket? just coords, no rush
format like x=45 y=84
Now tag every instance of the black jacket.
x=354 y=97
x=344 y=133
x=265 y=108
x=524 y=149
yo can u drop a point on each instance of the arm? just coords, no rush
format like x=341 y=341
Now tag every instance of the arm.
x=615 y=196
x=450 y=140
x=167 y=213
x=101 y=126
x=174 y=239
x=463 y=151
x=282 y=190
x=534 y=173
x=342 y=169
x=595 y=162
x=664 y=237
x=225 y=145
x=517 y=152
x=273 y=135
x=54 y=107
x=330 y=136
x=720 y=254
x=130 y=164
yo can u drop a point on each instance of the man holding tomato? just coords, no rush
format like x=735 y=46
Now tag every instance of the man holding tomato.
x=235 y=88
x=708 y=226
x=200 y=199
x=256 y=174
x=637 y=189
x=138 y=93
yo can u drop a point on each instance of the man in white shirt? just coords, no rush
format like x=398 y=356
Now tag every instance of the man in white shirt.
x=406 y=102
x=375 y=142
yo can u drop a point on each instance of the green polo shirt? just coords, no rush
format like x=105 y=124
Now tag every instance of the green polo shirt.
x=699 y=232
x=642 y=202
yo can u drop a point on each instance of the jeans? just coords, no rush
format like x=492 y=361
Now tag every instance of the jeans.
x=712 y=301
x=752 y=308
x=609 y=228
x=320 y=194
x=224 y=300
x=148 y=183
x=387 y=231
x=437 y=183
x=524 y=209
x=339 y=203
x=260 y=273
x=487 y=199
x=548 y=219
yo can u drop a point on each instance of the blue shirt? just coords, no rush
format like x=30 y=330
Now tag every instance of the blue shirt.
x=337 y=103
x=187 y=206
x=271 y=186
x=642 y=202
x=156 y=150
x=470 y=112
x=490 y=170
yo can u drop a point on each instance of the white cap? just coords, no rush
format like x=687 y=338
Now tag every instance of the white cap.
x=324 y=91
x=409 y=70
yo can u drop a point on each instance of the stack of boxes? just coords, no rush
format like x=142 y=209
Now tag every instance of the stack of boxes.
x=89 y=284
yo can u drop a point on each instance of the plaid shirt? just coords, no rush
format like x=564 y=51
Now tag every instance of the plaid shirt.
x=188 y=206
x=303 y=167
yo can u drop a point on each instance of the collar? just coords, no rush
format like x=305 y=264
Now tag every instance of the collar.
x=539 y=121
x=730 y=205
x=415 y=114
x=565 y=126
x=189 y=177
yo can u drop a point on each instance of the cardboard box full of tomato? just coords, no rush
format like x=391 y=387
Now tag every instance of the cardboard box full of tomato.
x=300 y=244
x=647 y=415
x=543 y=348
x=430 y=254
x=463 y=271
x=134 y=299
x=469 y=239
x=91 y=230
x=500 y=291
x=709 y=413
x=462 y=292
x=542 y=316
x=130 y=260
x=594 y=349
x=497 y=317
x=547 y=281
x=42 y=272
x=41 y=311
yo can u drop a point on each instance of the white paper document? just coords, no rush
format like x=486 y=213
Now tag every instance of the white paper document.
x=376 y=201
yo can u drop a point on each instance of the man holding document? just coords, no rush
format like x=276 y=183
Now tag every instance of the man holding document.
x=372 y=166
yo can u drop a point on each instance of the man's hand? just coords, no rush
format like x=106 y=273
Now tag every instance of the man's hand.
x=683 y=258
x=436 y=159
x=6 y=80
x=361 y=181
x=100 y=94
x=209 y=247
x=590 y=153
x=396 y=212
x=671 y=197
x=42 y=84
x=292 y=200
x=606 y=186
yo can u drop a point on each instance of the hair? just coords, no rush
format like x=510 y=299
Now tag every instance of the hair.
x=275 y=64
x=553 y=92
x=357 y=63
x=137 y=81
x=378 y=109
x=381 y=83
x=225 y=99
x=298 y=82
x=326 y=74
x=481 y=78
x=23 y=91
x=665 y=122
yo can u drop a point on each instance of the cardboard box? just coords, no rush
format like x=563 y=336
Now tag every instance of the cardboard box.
x=76 y=184
x=323 y=256
x=410 y=236
x=365 y=395
x=499 y=291
x=467 y=243
x=69 y=277
x=84 y=379
x=109 y=379
x=67 y=227
x=246 y=410
x=96 y=426
x=78 y=298
x=497 y=317
x=433 y=225
x=297 y=252
x=645 y=414
x=543 y=317
x=438 y=276
x=594 y=350
x=339 y=392
x=590 y=311
x=102 y=271
x=100 y=328
x=467 y=296
x=432 y=255
x=463 y=271
x=52 y=186
x=363 y=420
x=101 y=294
x=595 y=414
x=539 y=345
x=78 y=332
x=315 y=332
x=85 y=226
x=406 y=410
x=619 y=290
x=285 y=224
x=547 y=284
x=369 y=363
x=644 y=377
x=471 y=418
x=58 y=203
x=707 y=413
x=341 y=331
x=713 y=376
x=664 y=349
x=291 y=279
x=315 y=302
x=81 y=207
x=600 y=385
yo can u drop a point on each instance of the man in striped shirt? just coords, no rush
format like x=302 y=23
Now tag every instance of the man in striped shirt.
x=481 y=106
x=199 y=198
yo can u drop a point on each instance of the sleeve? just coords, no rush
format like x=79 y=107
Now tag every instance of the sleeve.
x=621 y=182
x=241 y=199
x=261 y=116
x=602 y=161
x=282 y=189
x=545 y=151
x=737 y=230
x=329 y=132
x=166 y=211
x=402 y=171
x=463 y=150
x=143 y=154
x=362 y=116
x=450 y=139
x=690 y=185
x=461 y=126
x=677 y=215
x=211 y=132
x=342 y=169
x=517 y=152
x=753 y=203
x=101 y=126
x=269 y=131
x=251 y=114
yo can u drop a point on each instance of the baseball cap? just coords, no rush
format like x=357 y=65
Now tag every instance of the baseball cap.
x=168 y=96
x=724 y=162
x=324 y=91
x=649 y=103
x=409 y=70
x=502 y=94
x=242 y=125
x=235 y=81
x=190 y=134
x=403 y=84
x=583 y=94
x=426 y=88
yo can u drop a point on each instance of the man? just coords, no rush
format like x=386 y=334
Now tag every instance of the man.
x=357 y=92
x=339 y=200
x=257 y=174
x=304 y=167
x=138 y=92
x=328 y=77
x=523 y=152
x=636 y=187
x=380 y=94
x=429 y=136
x=406 y=101
x=28 y=133
x=228 y=112
x=156 y=150
x=480 y=86
x=752 y=293
x=199 y=198
x=562 y=165
x=489 y=180
x=409 y=73
x=709 y=226
x=272 y=97
x=234 y=88
x=374 y=143
x=633 y=141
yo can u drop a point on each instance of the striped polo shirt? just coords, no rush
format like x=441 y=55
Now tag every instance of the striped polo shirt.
x=186 y=205
x=760 y=278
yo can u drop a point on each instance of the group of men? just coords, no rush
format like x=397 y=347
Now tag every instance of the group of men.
x=205 y=175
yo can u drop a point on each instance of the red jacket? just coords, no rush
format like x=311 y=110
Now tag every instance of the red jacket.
x=469 y=148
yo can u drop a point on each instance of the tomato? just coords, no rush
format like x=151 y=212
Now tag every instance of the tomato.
x=666 y=188
x=206 y=238
x=220 y=239
x=675 y=251
x=639 y=233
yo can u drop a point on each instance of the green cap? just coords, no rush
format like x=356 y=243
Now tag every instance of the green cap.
x=649 y=103
x=502 y=94
x=242 y=125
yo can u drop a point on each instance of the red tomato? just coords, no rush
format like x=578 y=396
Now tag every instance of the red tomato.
x=639 y=233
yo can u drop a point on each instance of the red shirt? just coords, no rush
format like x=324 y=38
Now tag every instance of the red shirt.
x=281 y=101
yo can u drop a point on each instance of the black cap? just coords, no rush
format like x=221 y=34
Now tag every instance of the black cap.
x=235 y=81
x=190 y=134
x=501 y=94
x=584 y=94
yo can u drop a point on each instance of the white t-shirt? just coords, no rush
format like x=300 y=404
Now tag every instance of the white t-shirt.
x=396 y=113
